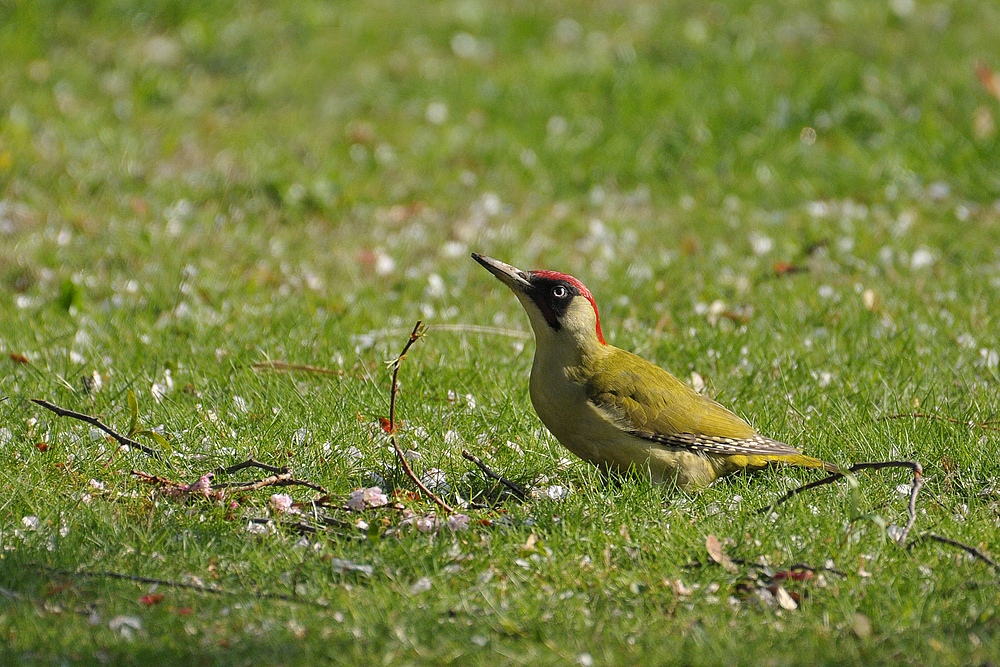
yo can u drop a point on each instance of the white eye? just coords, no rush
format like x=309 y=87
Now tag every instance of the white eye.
x=560 y=292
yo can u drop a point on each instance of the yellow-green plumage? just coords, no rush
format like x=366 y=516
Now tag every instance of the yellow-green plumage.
x=618 y=411
x=650 y=403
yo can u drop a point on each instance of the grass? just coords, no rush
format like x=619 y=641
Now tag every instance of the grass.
x=189 y=189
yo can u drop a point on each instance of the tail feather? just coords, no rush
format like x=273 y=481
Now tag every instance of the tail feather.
x=801 y=460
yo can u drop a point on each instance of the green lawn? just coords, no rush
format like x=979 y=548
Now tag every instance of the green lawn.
x=798 y=201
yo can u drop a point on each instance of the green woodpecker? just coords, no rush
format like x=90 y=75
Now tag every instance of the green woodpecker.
x=618 y=411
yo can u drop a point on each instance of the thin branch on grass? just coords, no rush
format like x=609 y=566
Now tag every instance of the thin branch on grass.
x=94 y=421
x=989 y=425
x=918 y=482
x=158 y=481
x=520 y=493
x=286 y=367
x=166 y=583
x=284 y=479
x=253 y=463
x=415 y=335
x=971 y=550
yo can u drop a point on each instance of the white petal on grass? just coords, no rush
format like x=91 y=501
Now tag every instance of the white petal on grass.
x=126 y=626
x=436 y=287
x=342 y=565
x=761 y=244
x=785 y=600
x=988 y=359
x=281 y=503
x=363 y=498
x=922 y=258
x=437 y=113
x=30 y=522
x=158 y=391
x=384 y=264
x=256 y=528
x=464 y=45
x=458 y=522
x=421 y=585
x=426 y=524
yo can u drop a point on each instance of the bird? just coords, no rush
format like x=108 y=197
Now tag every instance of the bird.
x=620 y=412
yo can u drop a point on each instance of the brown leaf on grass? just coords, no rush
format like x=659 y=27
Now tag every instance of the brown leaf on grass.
x=782 y=268
x=388 y=426
x=18 y=358
x=715 y=552
x=794 y=575
x=989 y=79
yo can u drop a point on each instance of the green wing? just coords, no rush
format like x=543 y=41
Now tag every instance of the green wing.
x=650 y=403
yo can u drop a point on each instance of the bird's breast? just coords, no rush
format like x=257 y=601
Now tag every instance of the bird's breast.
x=563 y=406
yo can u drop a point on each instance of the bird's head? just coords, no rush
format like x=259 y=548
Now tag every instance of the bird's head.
x=558 y=305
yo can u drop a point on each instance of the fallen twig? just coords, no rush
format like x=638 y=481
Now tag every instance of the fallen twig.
x=395 y=364
x=166 y=583
x=520 y=493
x=971 y=550
x=285 y=367
x=253 y=463
x=283 y=479
x=989 y=425
x=918 y=482
x=94 y=421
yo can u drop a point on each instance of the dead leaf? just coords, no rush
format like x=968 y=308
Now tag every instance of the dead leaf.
x=988 y=78
x=716 y=553
x=18 y=358
x=782 y=268
x=388 y=426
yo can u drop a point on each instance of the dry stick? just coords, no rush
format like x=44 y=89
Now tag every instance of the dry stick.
x=166 y=583
x=156 y=479
x=514 y=488
x=94 y=421
x=396 y=363
x=253 y=463
x=955 y=543
x=918 y=482
x=990 y=425
x=284 y=479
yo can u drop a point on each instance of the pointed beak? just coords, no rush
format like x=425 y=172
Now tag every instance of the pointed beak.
x=511 y=276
